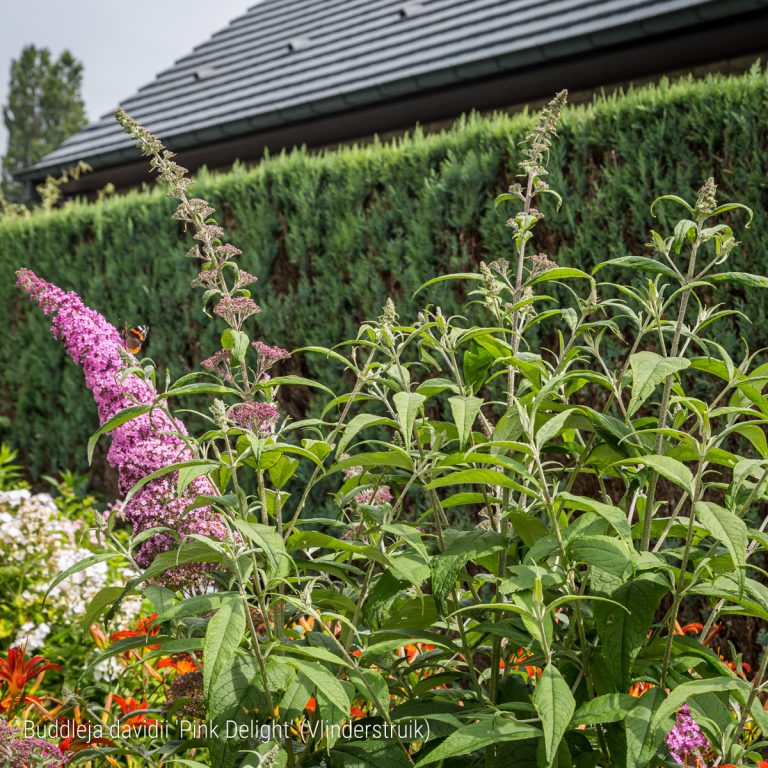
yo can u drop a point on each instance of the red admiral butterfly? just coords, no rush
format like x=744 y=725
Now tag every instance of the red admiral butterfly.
x=134 y=338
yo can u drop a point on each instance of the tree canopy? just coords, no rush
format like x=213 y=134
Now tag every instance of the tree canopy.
x=44 y=107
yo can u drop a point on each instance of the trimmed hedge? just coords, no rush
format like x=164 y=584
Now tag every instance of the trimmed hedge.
x=333 y=234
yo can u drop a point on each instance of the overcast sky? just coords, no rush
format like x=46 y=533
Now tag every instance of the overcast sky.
x=122 y=45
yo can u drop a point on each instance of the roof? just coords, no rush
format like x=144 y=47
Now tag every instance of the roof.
x=285 y=61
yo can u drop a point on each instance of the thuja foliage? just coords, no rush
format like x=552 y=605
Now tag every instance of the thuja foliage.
x=606 y=500
x=332 y=235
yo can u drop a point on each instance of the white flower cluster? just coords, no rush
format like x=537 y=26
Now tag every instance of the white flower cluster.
x=42 y=542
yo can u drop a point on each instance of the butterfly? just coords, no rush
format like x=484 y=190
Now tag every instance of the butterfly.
x=134 y=338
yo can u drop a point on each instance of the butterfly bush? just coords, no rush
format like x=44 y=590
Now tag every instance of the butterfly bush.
x=141 y=446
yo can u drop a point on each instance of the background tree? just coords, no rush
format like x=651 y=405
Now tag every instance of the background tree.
x=44 y=108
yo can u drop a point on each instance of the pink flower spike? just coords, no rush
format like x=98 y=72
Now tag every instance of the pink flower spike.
x=140 y=446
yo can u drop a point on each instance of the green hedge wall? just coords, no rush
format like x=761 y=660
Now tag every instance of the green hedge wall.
x=332 y=235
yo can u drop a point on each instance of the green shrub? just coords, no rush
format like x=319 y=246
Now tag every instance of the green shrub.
x=332 y=235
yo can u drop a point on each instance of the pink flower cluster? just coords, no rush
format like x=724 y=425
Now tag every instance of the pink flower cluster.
x=140 y=446
x=686 y=741
x=19 y=751
x=258 y=417
x=372 y=497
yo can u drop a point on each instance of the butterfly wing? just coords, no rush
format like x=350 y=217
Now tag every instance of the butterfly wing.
x=134 y=338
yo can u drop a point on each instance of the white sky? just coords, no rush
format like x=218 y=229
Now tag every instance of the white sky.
x=123 y=44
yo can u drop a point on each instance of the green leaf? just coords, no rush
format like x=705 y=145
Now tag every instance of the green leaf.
x=313 y=652
x=191 y=551
x=462 y=547
x=188 y=474
x=551 y=428
x=475 y=476
x=643 y=737
x=739 y=278
x=486 y=732
x=103 y=599
x=116 y=421
x=555 y=704
x=328 y=687
x=283 y=471
x=648 y=371
x=623 y=634
x=201 y=388
x=727 y=527
x=604 y=552
x=732 y=207
x=81 y=565
x=269 y=541
x=298 y=381
x=640 y=264
x=194 y=606
x=673 y=199
x=407 y=405
x=614 y=516
x=372 y=753
x=689 y=690
x=608 y=708
x=675 y=471
x=443 y=278
x=464 y=410
x=558 y=273
x=357 y=424
x=224 y=634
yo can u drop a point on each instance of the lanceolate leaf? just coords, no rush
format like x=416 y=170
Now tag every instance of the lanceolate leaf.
x=225 y=631
x=487 y=731
x=555 y=704
x=727 y=527
x=648 y=371
x=644 y=736
x=616 y=517
x=464 y=410
x=623 y=633
x=407 y=405
x=328 y=687
x=358 y=423
x=675 y=471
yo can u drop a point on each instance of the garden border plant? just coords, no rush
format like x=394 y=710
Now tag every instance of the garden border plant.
x=605 y=498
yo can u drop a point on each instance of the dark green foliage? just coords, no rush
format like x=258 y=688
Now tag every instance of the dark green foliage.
x=331 y=236
x=44 y=108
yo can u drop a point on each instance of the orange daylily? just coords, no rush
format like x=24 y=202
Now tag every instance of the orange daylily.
x=412 y=650
x=143 y=628
x=517 y=662
x=131 y=705
x=77 y=742
x=180 y=662
x=16 y=674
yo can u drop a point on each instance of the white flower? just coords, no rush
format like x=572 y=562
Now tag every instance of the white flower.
x=31 y=636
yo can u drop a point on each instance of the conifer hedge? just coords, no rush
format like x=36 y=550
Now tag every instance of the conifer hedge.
x=331 y=235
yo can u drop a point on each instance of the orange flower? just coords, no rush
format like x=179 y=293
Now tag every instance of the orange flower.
x=411 y=651
x=80 y=738
x=694 y=628
x=16 y=674
x=143 y=628
x=131 y=705
x=356 y=712
x=311 y=705
x=180 y=662
x=516 y=661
